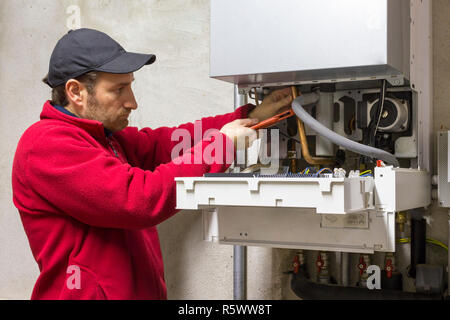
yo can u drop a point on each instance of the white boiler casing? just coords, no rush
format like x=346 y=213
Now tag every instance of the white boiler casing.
x=266 y=41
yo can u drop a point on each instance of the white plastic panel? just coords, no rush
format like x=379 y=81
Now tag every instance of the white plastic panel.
x=335 y=214
x=401 y=189
x=300 y=229
x=395 y=189
x=443 y=143
x=326 y=195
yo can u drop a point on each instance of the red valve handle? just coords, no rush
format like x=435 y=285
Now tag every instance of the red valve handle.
x=296 y=264
x=389 y=268
x=319 y=263
x=361 y=266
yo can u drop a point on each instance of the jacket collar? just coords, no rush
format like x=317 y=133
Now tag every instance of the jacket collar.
x=93 y=127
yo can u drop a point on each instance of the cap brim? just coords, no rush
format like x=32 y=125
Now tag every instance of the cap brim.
x=127 y=62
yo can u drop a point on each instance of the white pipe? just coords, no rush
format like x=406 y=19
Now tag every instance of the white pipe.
x=324 y=114
x=348 y=144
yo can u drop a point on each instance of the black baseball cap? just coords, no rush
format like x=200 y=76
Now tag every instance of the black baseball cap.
x=84 y=50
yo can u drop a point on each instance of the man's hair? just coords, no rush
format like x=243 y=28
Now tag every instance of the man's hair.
x=59 y=97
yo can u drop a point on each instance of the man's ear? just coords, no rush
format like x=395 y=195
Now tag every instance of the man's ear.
x=75 y=92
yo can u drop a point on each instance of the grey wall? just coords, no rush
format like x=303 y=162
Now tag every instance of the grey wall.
x=175 y=89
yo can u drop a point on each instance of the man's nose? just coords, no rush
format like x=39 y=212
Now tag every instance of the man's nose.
x=131 y=102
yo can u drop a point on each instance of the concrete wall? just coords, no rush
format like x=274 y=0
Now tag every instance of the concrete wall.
x=175 y=89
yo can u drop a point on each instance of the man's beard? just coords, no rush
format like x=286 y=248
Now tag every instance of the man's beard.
x=92 y=108
x=96 y=112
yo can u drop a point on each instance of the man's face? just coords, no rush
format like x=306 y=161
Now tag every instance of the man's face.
x=112 y=100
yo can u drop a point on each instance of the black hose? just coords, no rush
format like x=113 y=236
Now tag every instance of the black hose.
x=309 y=290
x=418 y=244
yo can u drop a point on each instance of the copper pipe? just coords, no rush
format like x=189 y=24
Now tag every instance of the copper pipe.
x=293 y=165
x=292 y=151
x=302 y=134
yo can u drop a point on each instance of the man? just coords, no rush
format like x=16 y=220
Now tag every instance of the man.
x=90 y=190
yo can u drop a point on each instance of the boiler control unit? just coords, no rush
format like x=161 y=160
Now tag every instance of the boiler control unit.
x=357 y=150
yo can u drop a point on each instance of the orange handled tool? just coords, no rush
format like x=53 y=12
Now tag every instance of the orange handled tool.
x=271 y=121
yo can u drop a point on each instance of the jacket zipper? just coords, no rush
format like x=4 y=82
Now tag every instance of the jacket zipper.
x=112 y=147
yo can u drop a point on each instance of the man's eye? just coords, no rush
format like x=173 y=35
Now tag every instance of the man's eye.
x=119 y=90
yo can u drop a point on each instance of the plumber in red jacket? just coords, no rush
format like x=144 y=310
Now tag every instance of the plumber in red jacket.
x=90 y=190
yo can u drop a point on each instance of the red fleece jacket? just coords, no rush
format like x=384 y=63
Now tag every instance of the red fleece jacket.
x=90 y=204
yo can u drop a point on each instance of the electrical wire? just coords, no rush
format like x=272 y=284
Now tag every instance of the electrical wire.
x=352 y=124
x=323 y=169
x=288 y=136
x=365 y=172
x=309 y=170
x=381 y=103
x=429 y=240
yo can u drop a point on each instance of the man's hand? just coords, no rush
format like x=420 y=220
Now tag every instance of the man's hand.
x=272 y=104
x=239 y=131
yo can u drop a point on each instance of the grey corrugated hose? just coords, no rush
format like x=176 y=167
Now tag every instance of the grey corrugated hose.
x=348 y=144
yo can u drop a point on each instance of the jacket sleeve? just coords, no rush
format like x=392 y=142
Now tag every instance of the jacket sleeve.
x=147 y=148
x=72 y=176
